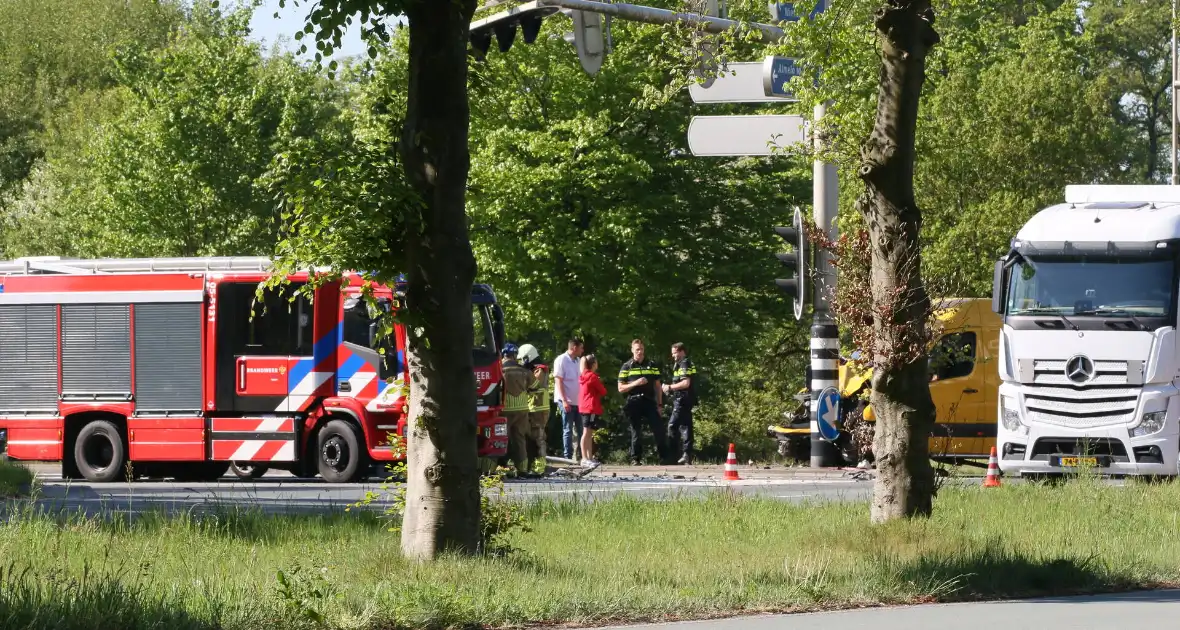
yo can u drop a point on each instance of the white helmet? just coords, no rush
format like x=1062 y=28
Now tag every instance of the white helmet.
x=528 y=353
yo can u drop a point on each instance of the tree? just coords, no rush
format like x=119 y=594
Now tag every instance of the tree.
x=592 y=217
x=442 y=501
x=51 y=51
x=173 y=159
x=901 y=389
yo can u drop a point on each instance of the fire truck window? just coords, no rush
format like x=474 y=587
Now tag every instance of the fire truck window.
x=953 y=356
x=359 y=318
x=279 y=326
x=356 y=322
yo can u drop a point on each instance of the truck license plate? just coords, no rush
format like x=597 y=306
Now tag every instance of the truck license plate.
x=1074 y=462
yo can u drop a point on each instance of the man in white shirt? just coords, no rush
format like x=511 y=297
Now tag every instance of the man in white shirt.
x=567 y=374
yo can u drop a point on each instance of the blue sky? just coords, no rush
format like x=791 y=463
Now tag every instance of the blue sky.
x=268 y=30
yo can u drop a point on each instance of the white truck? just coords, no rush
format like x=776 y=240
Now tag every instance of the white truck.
x=1089 y=353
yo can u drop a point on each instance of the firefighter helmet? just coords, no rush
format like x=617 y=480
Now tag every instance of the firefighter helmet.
x=528 y=353
x=509 y=349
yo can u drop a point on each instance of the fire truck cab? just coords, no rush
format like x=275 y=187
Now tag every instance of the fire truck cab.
x=176 y=367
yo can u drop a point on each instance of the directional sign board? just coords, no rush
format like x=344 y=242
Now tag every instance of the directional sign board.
x=743 y=82
x=827 y=414
x=776 y=73
x=743 y=135
x=785 y=11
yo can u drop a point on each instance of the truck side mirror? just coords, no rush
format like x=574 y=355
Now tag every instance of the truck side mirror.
x=998 y=287
x=373 y=335
x=498 y=325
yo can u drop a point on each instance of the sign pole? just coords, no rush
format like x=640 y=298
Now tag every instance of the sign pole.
x=825 y=335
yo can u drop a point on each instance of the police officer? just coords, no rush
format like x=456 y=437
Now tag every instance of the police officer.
x=516 y=408
x=639 y=381
x=538 y=405
x=684 y=397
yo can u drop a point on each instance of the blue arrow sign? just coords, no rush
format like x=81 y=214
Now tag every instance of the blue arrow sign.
x=776 y=73
x=785 y=11
x=827 y=414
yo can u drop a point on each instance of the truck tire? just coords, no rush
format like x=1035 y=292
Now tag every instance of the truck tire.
x=339 y=455
x=245 y=470
x=99 y=452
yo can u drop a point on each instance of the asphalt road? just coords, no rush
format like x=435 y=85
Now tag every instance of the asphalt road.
x=280 y=492
x=1150 y=609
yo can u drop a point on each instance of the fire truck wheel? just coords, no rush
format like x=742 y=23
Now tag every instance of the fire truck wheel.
x=247 y=471
x=99 y=452
x=339 y=456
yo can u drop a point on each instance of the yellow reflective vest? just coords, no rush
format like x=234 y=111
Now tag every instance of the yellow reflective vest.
x=516 y=386
x=540 y=390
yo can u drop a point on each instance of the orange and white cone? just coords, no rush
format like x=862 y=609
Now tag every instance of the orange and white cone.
x=731 y=473
x=993 y=471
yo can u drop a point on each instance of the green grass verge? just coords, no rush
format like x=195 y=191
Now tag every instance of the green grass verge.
x=622 y=559
x=14 y=478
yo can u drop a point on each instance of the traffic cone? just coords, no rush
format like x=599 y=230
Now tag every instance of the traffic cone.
x=731 y=473
x=993 y=471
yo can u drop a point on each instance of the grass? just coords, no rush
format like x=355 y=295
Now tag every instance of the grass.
x=14 y=478
x=620 y=559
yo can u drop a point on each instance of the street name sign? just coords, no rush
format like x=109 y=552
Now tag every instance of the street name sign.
x=776 y=73
x=743 y=82
x=785 y=11
x=743 y=135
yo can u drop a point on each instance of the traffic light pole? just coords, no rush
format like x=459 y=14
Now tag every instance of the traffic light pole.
x=825 y=335
x=632 y=12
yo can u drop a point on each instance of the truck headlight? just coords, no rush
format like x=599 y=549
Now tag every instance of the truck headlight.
x=1153 y=422
x=1010 y=416
x=501 y=430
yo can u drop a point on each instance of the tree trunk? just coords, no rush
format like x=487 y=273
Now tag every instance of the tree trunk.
x=901 y=389
x=442 y=497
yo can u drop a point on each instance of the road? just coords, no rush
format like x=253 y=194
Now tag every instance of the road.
x=1150 y=609
x=281 y=492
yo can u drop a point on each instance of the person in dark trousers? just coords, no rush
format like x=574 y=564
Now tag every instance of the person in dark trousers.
x=639 y=381
x=684 y=397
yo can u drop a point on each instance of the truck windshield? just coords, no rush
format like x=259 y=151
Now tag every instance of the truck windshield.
x=1095 y=287
x=485 y=343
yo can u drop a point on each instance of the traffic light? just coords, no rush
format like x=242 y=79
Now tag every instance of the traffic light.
x=797 y=261
x=588 y=36
x=503 y=26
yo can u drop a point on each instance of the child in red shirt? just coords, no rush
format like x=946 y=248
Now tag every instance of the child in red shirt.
x=590 y=406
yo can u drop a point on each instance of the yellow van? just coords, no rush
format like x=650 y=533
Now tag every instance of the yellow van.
x=964 y=385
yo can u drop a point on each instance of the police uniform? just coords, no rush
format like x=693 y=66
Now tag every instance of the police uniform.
x=640 y=407
x=683 y=401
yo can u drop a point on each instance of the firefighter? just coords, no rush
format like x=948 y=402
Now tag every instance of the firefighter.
x=538 y=405
x=684 y=397
x=639 y=381
x=516 y=408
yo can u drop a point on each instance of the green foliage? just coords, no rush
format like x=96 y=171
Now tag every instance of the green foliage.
x=175 y=158
x=15 y=479
x=80 y=572
x=51 y=51
x=1021 y=98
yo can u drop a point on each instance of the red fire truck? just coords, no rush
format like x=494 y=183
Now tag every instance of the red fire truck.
x=174 y=366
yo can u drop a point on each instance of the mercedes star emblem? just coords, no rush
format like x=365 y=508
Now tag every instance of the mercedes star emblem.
x=1079 y=369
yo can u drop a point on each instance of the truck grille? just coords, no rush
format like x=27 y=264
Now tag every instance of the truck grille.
x=1105 y=373
x=1081 y=407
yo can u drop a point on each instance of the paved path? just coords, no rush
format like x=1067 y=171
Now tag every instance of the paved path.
x=1151 y=609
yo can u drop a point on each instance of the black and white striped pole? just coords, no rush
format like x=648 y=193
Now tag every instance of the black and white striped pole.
x=825 y=335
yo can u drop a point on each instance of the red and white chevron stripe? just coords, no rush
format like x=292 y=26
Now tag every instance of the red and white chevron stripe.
x=253 y=425
x=254 y=450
